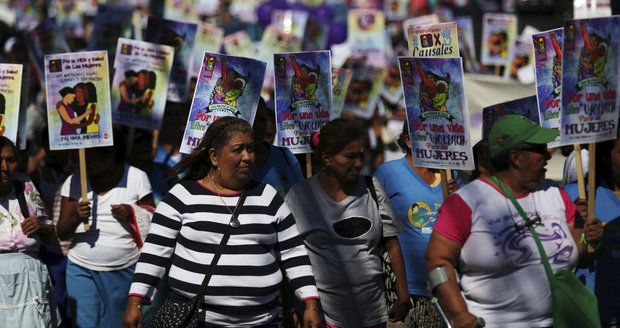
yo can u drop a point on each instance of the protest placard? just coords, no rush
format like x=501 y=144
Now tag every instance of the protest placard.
x=10 y=99
x=366 y=35
x=43 y=40
x=341 y=78
x=499 y=32
x=78 y=100
x=181 y=37
x=111 y=23
x=140 y=83
x=548 y=58
x=420 y=20
x=364 y=90
x=467 y=47
x=208 y=39
x=437 y=112
x=589 y=80
x=526 y=106
x=290 y=22
x=227 y=86
x=239 y=44
x=303 y=92
x=437 y=40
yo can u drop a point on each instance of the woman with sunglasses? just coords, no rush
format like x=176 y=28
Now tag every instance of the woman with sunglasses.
x=345 y=230
x=190 y=223
x=480 y=230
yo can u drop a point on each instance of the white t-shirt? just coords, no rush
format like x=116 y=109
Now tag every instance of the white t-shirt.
x=502 y=277
x=106 y=246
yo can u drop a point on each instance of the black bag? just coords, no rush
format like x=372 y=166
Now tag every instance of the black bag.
x=389 y=278
x=176 y=313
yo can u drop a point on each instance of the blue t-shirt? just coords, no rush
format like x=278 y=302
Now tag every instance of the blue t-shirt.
x=603 y=276
x=281 y=170
x=416 y=203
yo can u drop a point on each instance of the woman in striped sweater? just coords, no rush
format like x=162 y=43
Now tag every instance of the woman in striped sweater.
x=188 y=226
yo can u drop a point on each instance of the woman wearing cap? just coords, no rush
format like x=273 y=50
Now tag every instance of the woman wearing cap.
x=480 y=230
x=344 y=228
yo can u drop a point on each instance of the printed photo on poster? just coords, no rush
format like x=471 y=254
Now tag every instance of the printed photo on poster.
x=548 y=58
x=467 y=47
x=589 y=80
x=437 y=112
x=364 y=90
x=527 y=107
x=303 y=93
x=181 y=37
x=227 y=86
x=140 y=83
x=78 y=100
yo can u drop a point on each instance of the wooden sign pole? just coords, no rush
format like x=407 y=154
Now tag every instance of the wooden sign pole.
x=83 y=183
x=591 y=187
x=308 y=165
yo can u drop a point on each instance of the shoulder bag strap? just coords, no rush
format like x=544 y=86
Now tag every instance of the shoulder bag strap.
x=218 y=252
x=371 y=188
x=21 y=199
x=541 y=249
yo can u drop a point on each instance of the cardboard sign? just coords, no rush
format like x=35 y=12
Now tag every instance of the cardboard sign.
x=523 y=106
x=590 y=80
x=499 y=32
x=437 y=112
x=303 y=92
x=10 y=99
x=438 y=40
x=341 y=78
x=209 y=39
x=227 y=86
x=467 y=47
x=548 y=58
x=78 y=100
x=43 y=40
x=366 y=28
x=239 y=44
x=181 y=37
x=140 y=83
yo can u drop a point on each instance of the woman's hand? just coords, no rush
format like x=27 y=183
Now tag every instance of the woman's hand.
x=122 y=212
x=593 y=231
x=399 y=310
x=83 y=211
x=452 y=186
x=464 y=320
x=133 y=314
x=582 y=208
x=31 y=226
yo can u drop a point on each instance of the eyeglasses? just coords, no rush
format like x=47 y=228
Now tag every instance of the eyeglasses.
x=520 y=225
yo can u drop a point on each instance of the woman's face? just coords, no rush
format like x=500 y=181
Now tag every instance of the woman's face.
x=142 y=80
x=236 y=159
x=347 y=164
x=80 y=95
x=8 y=165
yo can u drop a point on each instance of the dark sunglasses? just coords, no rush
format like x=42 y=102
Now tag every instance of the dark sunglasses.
x=534 y=148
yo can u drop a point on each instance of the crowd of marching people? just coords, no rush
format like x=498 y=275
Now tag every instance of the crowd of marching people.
x=241 y=233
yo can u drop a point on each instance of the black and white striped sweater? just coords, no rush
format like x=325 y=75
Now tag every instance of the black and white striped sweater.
x=189 y=223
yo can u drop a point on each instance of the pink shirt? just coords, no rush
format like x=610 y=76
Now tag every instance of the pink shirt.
x=12 y=239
